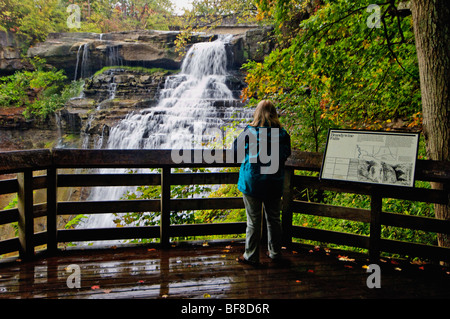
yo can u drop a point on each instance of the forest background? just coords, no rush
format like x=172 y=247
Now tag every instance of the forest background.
x=335 y=64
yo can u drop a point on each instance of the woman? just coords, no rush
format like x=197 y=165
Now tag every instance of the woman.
x=263 y=147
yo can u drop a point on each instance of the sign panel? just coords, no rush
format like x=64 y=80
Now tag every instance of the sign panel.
x=370 y=157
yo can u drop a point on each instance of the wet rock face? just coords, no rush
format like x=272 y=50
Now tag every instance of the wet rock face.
x=123 y=83
x=83 y=53
x=10 y=53
x=107 y=98
x=92 y=51
x=89 y=52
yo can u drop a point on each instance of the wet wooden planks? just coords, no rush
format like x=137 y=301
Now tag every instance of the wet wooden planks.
x=194 y=271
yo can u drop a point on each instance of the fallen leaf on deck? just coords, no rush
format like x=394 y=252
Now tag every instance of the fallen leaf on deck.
x=95 y=287
x=345 y=258
x=151 y=249
x=348 y=266
x=298 y=281
x=365 y=267
x=206 y=295
x=140 y=282
x=310 y=271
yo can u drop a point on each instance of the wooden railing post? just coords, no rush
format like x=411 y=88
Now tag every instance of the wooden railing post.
x=52 y=203
x=286 y=219
x=375 y=226
x=26 y=216
x=165 y=207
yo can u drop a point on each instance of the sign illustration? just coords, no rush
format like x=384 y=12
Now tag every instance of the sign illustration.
x=370 y=157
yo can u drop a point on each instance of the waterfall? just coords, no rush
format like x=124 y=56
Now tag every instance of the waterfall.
x=113 y=56
x=83 y=51
x=193 y=106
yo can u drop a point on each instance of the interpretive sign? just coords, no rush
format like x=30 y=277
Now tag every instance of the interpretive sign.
x=370 y=157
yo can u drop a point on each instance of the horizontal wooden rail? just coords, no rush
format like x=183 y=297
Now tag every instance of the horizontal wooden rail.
x=54 y=162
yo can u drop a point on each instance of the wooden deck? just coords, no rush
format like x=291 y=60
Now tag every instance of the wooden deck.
x=211 y=271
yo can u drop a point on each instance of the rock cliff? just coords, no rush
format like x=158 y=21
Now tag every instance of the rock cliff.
x=133 y=83
x=82 y=54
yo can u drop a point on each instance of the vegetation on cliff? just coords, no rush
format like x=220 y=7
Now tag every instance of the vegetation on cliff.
x=35 y=19
x=41 y=91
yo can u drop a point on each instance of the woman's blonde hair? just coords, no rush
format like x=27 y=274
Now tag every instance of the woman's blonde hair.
x=265 y=115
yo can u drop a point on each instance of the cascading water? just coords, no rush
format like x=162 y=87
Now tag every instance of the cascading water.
x=83 y=57
x=187 y=115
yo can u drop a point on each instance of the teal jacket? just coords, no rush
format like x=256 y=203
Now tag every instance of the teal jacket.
x=262 y=152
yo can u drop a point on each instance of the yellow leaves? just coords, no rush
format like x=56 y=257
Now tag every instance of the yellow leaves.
x=416 y=120
x=325 y=79
x=345 y=258
x=366 y=44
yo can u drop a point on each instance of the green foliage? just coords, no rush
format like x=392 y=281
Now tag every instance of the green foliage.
x=33 y=19
x=41 y=91
x=390 y=205
x=355 y=76
x=13 y=90
x=74 y=221
x=206 y=15
x=135 y=68
x=154 y=192
x=105 y=16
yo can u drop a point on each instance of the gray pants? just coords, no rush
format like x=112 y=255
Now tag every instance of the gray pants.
x=253 y=208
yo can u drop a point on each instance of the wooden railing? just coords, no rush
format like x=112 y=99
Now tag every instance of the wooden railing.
x=24 y=163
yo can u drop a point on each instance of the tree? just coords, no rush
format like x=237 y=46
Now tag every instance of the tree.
x=208 y=14
x=33 y=18
x=432 y=34
x=361 y=76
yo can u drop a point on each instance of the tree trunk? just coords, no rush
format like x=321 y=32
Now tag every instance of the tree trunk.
x=432 y=35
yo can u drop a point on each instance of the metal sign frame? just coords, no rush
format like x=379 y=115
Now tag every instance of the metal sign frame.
x=375 y=157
